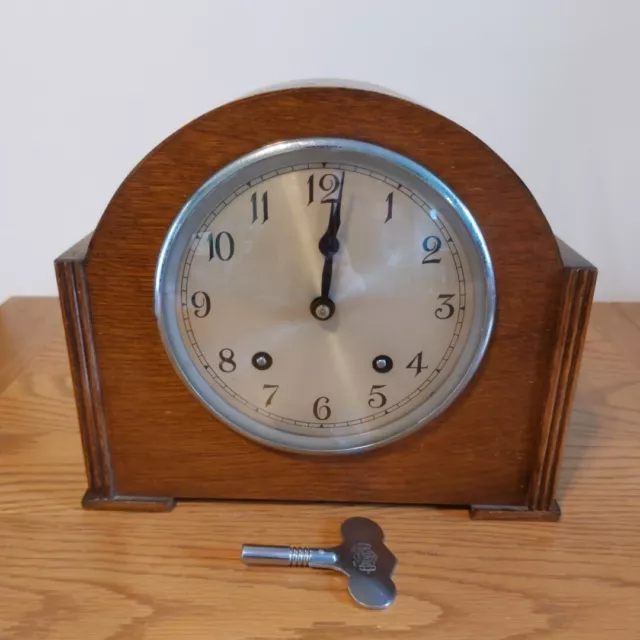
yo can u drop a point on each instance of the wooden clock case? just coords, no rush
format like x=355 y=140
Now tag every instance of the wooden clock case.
x=147 y=440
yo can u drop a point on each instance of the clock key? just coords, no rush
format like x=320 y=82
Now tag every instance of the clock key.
x=362 y=556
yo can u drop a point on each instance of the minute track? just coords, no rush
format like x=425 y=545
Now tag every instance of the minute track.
x=434 y=370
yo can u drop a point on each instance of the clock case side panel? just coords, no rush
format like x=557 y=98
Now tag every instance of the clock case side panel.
x=73 y=292
x=577 y=297
x=578 y=291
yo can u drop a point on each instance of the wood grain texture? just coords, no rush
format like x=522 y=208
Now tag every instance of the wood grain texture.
x=76 y=314
x=69 y=574
x=482 y=450
x=579 y=286
x=520 y=514
x=115 y=502
x=21 y=337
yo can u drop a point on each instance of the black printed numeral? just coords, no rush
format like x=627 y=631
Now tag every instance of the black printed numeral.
x=321 y=408
x=227 y=363
x=377 y=400
x=389 y=207
x=431 y=244
x=222 y=246
x=265 y=207
x=416 y=364
x=329 y=183
x=201 y=303
x=446 y=309
x=275 y=388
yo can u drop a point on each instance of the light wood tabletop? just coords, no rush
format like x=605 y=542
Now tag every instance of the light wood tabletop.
x=66 y=573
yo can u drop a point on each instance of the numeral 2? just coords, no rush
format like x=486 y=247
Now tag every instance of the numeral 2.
x=431 y=244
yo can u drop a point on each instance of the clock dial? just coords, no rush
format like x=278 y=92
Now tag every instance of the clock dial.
x=398 y=285
x=325 y=295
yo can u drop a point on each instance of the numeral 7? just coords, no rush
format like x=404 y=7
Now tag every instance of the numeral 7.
x=275 y=388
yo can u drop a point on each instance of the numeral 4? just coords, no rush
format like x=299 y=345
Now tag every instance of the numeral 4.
x=416 y=364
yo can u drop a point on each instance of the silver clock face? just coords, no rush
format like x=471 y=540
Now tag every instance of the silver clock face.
x=325 y=295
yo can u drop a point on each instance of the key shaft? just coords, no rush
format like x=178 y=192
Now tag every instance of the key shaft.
x=289 y=556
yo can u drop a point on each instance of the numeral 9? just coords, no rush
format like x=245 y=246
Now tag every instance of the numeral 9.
x=202 y=304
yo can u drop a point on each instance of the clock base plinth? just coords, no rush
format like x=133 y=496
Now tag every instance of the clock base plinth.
x=493 y=512
x=126 y=503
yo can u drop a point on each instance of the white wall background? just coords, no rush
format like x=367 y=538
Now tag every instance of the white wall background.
x=89 y=87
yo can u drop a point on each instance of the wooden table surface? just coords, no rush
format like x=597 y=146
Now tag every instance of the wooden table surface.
x=67 y=573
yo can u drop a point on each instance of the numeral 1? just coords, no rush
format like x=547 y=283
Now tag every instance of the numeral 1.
x=389 y=207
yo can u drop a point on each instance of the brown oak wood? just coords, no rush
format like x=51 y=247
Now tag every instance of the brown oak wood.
x=498 y=445
x=21 y=337
x=72 y=574
x=76 y=314
x=578 y=289
x=479 y=512
x=114 y=502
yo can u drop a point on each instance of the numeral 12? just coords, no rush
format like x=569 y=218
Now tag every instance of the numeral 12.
x=329 y=183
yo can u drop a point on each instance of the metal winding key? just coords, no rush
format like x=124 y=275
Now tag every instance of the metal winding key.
x=362 y=556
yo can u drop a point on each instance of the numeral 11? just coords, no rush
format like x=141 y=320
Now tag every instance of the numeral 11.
x=265 y=207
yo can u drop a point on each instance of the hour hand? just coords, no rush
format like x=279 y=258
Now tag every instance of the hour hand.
x=323 y=307
x=329 y=244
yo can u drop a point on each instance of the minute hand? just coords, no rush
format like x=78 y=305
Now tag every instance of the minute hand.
x=329 y=244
